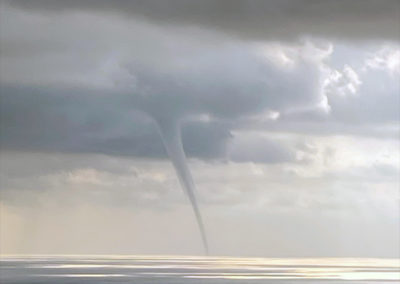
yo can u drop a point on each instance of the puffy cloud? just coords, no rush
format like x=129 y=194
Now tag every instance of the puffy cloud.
x=343 y=83
x=387 y=58
x=358 y=99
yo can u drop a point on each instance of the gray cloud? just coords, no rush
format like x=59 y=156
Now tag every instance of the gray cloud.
x=54 y=120
x=252 y=19
x=88 y=121
x=229 y=82
x=78 y=94
x=260 y=149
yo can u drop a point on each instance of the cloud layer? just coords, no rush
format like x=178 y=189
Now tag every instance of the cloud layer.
x=252 y=19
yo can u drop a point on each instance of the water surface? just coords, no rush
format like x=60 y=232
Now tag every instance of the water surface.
x=187 y=270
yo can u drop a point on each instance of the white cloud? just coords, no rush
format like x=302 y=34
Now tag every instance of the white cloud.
x=342 y=83
x=386 y=58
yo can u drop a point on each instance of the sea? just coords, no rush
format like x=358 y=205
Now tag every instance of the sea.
x=99 y=269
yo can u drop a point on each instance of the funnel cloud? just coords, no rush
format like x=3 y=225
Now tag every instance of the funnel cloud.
x=171 y=136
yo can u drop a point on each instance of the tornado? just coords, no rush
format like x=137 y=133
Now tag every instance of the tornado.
x=170 y=133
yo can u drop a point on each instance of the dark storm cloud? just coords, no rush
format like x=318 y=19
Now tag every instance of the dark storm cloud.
x=253 y=19
x=166 y=72
x=87 y=73
x=94 y=121
x=224 y=85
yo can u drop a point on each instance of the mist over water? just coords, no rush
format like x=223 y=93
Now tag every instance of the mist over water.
x=190 y=269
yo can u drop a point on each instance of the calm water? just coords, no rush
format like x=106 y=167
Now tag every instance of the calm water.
x=205 y=270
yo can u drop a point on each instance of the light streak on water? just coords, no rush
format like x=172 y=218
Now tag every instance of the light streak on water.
x=188 y=269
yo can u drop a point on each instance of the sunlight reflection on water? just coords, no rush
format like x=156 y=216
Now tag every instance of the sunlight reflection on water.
x=187 y=269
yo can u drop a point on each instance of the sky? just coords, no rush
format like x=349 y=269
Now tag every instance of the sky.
x=289 y=113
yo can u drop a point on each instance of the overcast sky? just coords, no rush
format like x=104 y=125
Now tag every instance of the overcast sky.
x=289 y=113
